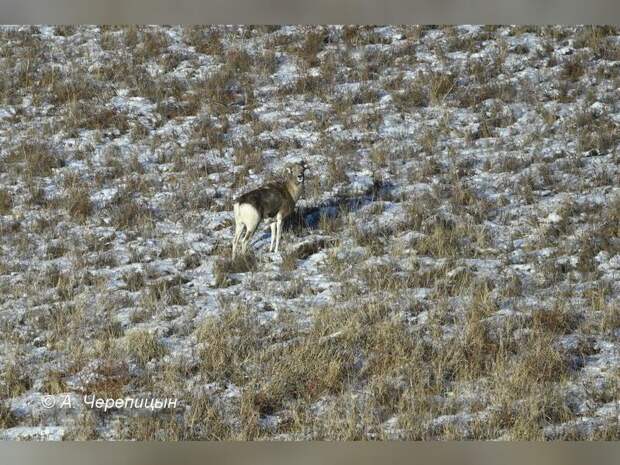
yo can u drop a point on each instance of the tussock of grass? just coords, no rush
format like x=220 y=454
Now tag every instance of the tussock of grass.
x=6 y=201
x=7 y=418
x=168 y=293
x=144 y=346
x=127 y=213
x=34 y=159
x=241 y=264
x=14 y=381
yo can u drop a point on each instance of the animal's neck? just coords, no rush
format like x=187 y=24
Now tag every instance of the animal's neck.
x=293 y=189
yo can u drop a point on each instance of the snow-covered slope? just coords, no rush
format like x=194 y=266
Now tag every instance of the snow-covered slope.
x=451 y=272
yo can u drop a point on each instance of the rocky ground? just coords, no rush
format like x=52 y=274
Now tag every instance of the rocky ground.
x=452 y=272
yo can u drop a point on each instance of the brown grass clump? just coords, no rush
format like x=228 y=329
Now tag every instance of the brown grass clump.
x=54 y=383
x=599 y=39
x=289 y=261
x=573 y=68
x=134 y=280
x=238 y=61
x=441 y=85
x=238 y=350
x=7 y=418
x=336 y=171
x=241 y=264
x=557 y=320
x=65 y=30
x=14 y=381
x=78 y=202
x=111 y=376
x=153 y=44
x=206 y=129
x=445 y=239
x=414 y=95
x=67 y=89
x=34 y=159
x=127 y=213
x=306 y=84
x=204 y=40
x=166 y=292
x=144 y=346
x=85 y=116
x=6 y=201
x=222 y=358
x=248 y=156
x=312 y=44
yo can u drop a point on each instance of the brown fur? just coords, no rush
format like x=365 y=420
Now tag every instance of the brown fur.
x=269 y=200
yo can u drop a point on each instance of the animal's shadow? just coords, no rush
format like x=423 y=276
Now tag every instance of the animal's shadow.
x=308 y=217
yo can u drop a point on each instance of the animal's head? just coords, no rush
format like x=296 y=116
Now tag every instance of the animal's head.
x=297 y=172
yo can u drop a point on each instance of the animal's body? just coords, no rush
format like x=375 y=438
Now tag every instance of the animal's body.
x=273 y=202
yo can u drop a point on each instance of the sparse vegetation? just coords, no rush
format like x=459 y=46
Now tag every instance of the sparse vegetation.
x=449 y=273
x=6 y=201
x=144 y=346
x=7 y=418
x=241 y=264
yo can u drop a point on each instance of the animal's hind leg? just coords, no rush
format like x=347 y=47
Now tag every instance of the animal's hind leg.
x=238 y=230
x=273 y=236
x=250 y=230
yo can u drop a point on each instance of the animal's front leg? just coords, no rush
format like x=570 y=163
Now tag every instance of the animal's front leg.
x=279 y=233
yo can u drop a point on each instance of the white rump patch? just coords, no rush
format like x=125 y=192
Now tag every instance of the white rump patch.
x=247 y=215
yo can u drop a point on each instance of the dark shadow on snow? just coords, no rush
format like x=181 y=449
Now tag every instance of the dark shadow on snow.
x=308 y=217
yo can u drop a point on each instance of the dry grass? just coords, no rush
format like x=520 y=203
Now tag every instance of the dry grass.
x=441 y=298
x=573 y=68
x=7 y=418
x=84 y=116
x=336 y=170
x=248 y=156
x=79 y=205
x=445 y=239
x=128 y=213
x=33 y=159
x=204 y=40
x=54 y=383
x=440 y=86
x=14 y=381
x=224 y=267
x=134 y=280
x=144 y=346
x=312 y=44
x=317 y=361
x=6 y=201
x=414 y=95
x=164 y=293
